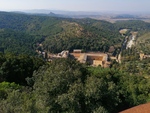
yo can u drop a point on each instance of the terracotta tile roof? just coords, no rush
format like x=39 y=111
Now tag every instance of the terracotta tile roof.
x=144 y=108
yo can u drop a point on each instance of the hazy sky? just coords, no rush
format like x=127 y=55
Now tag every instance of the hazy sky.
x=77 y=5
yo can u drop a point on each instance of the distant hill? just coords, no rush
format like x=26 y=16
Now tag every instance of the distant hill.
x=125 y=16
x=44 y=11
x=59 y=33
x=65 y=14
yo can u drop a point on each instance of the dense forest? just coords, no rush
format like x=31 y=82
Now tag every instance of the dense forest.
x=57 y=34
x=68 y=86
x=29 y=84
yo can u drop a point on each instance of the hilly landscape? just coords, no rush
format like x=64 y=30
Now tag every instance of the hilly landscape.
x=61 y=29
x=30 y=83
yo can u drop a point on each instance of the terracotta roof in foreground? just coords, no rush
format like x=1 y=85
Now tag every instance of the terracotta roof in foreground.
x=143 y=108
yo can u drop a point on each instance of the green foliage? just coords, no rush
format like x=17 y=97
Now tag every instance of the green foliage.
x=61 y=87
x=100 y=110
x=103 y=83
x=143 y=43
x=136 y=94
x=132 y=64
x=15 y=99
x=16 y=42
x=6 y=88
x=17 y=102
x=7 y=85
x=17 y=68
x=86 y=34
x=134 y=25
x=70 y=87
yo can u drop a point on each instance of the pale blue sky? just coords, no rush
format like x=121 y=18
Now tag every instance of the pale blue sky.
x=77 y=5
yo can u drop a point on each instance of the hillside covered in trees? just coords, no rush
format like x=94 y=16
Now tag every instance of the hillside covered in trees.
x=29 y=84
x=57 y=34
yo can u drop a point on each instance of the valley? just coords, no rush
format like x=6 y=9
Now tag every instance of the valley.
x=55 y=64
